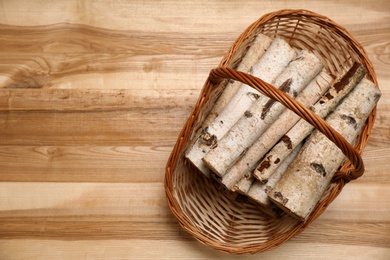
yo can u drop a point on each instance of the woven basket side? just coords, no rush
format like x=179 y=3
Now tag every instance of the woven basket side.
x=304 y=29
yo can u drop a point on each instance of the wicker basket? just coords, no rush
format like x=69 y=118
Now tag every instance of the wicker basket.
x=239 y=227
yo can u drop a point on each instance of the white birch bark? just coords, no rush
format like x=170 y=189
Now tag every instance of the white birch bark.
x=271 y=64
x=258 y=191
x=244 y=184
x=302 y=129
x=262 y=114
x=308 y=177
x=257 y=49
x=308 y=96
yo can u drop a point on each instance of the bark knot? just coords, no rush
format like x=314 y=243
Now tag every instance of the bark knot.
x=248 y=114
x=328 y=96
x=254 y=96
x=264 y=165
x=319 y=168
x=286 y=139
x=209 y=139
x=279 y=195
x=350 y=121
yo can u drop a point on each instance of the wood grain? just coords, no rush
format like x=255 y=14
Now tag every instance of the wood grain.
x=52 y=120
x=93 y=95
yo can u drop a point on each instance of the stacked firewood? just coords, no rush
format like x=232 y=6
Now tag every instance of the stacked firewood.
x=253 y=145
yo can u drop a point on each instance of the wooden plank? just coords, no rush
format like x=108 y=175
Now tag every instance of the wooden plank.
x=83 y=163
x=84 y=71
x=69 y=228
x=122 y=201
x=78 y=39
x=96 y=100
x=144 y=72
x=115 y=117
x=79 y=128
x=146 y=200
x=216 y=15
x=91 y=229
x=174 y=249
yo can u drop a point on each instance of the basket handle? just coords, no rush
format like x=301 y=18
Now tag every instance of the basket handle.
x=217 y=74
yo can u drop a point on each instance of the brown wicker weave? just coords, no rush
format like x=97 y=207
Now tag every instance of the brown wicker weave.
x=239 y=227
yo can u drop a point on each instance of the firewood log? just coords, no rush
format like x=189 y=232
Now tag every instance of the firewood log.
x=302 y=186
x=257 y=49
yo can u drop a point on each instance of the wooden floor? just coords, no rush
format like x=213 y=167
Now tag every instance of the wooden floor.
x=93 y=95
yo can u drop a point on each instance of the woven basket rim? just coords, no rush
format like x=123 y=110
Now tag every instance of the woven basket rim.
x=173 y=203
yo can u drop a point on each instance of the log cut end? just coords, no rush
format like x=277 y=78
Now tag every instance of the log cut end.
x=280 y=201
x=297 y=192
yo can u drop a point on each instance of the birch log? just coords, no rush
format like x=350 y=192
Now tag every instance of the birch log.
x=303 y=184
x=255 y=52
x=258 y=191
x=244 y=184
x=302 y=129
x=271 y=64
x=244 y=166
x=262 y=114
